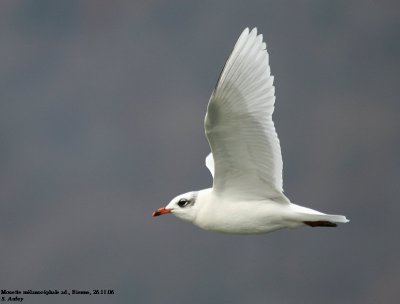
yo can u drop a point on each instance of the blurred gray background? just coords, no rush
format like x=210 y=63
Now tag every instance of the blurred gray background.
x=101 y=122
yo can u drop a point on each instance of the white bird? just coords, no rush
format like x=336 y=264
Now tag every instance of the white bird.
x=245 y=159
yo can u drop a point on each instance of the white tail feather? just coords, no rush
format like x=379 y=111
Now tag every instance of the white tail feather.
x=307 y=214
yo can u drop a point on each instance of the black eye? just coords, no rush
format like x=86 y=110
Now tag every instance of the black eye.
x=183 y=202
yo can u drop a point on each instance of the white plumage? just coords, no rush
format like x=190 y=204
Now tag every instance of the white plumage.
x=239 y=124
x=245 y=160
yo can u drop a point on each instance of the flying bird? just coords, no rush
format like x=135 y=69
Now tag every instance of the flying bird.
x=245 y=159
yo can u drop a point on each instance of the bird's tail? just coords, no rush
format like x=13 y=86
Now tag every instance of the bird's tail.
x=315 y=218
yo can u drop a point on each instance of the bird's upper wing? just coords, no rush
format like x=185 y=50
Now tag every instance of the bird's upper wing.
x=239 y=127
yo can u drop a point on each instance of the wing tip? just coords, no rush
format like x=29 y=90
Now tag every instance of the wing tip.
x=253 y=32
x=250 y=31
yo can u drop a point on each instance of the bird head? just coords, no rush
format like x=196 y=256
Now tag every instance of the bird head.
x=182 y=206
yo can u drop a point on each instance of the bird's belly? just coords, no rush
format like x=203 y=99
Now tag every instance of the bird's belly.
x=238 y=229
x=240 y=219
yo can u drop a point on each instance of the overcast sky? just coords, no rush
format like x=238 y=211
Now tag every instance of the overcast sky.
x=101 y=122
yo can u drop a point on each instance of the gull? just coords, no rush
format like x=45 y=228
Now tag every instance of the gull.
x=245 y=159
